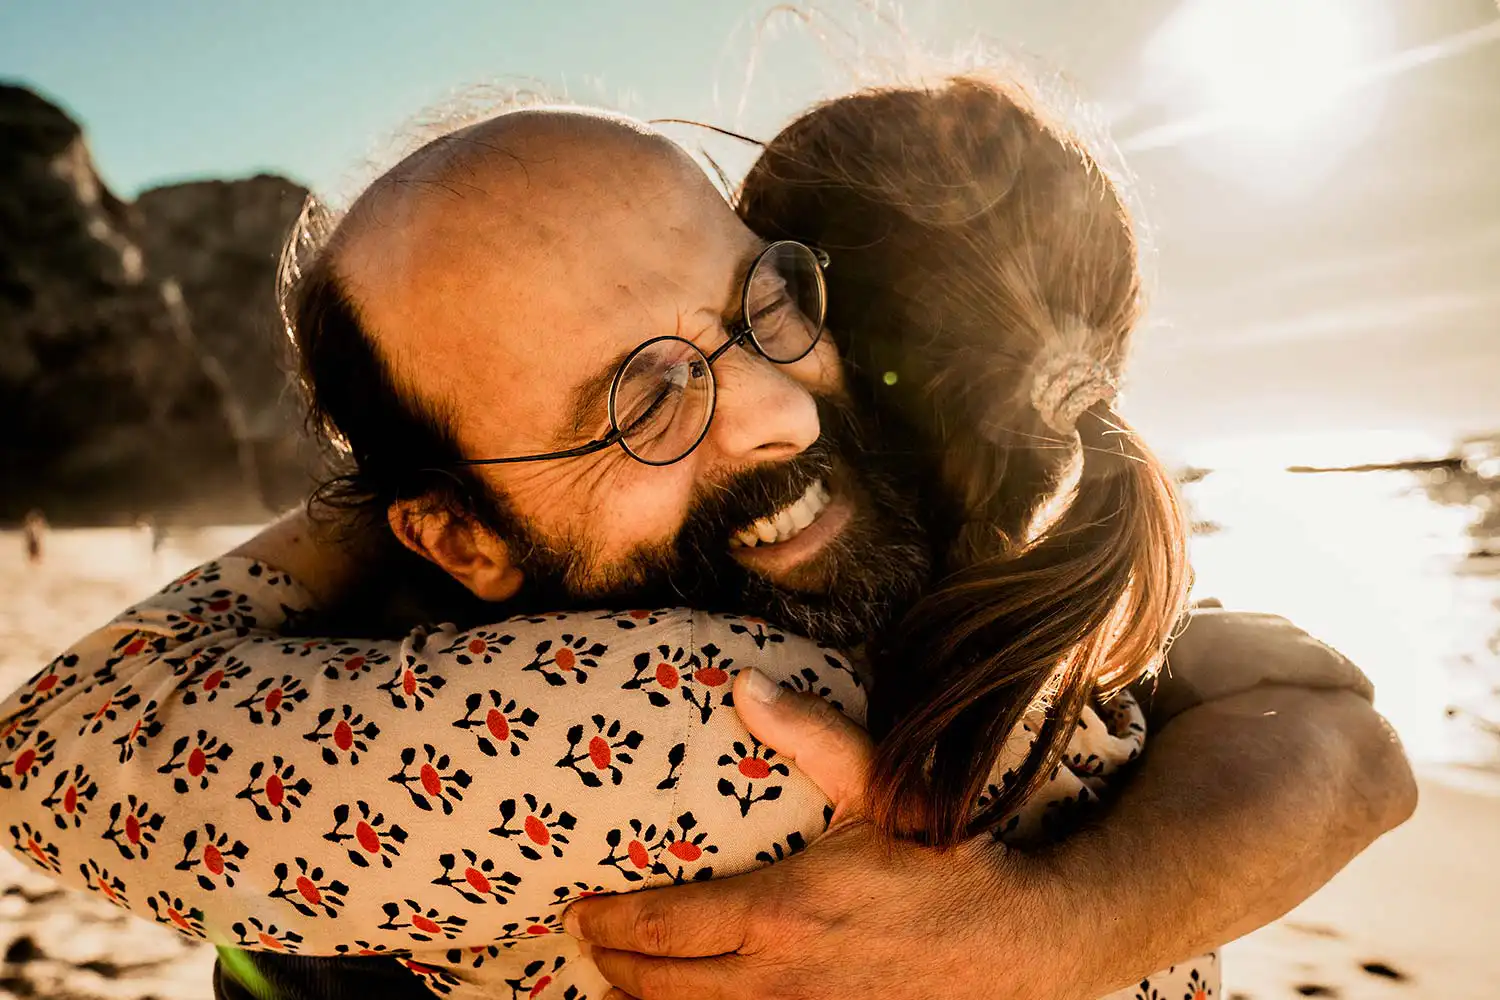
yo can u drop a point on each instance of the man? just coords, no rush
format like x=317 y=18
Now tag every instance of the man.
x=479 y=303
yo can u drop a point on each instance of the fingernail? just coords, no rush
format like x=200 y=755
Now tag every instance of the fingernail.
x=760 y=687
x=571 y=924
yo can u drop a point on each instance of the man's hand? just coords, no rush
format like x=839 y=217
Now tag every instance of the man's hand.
x=1254 y=798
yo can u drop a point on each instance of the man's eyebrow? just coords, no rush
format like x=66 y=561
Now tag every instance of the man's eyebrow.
x=590 y=395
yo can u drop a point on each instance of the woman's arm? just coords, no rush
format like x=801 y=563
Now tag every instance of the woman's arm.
x=336 y=796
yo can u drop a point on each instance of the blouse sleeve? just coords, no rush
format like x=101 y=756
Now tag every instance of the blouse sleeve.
x=449 y=789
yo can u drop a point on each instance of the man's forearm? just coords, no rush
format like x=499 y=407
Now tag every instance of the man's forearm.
x=1242 y=808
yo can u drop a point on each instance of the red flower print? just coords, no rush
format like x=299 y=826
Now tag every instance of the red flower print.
x=199 y=576
x=72 y=793
x=371 y=836
x=133 y=827
x=1089 y=765
x=659 y=673
x=574 y=656
x=141 y=732
x=123 y=700
x=476 y=955
x=305 y=648
x=478 y=647
x=365 y=949
x=535 y=978
x=309 y=892
x=565 y=894
x=710 y=676
x=17 y=770
x=752 y=764
x=432 y=780
x=176 y=914
x=18 y=730
x=502 y=724
x=1197 y=987
x=675 y=757
x=194 y=760
x=438 y=980
x=280 y=793
x=217 y=861
x=37 y=849
x=531 y=927
x=795 y=843
x=131 y=644
x=1145 y=991
x=273 y=698
x=631 y=856
x=222 y=609
x=266 y=937
x=422 y=924
x=808 y=681
x=638 y=618
x=99 y=880
x=684 y=849
x=350 y=735
x=757 y=630
x=55 y=678
x=413 y=684
x=476 y=879
x=210 y=677
x=600 y=751
x=353 y=662
x=541 y=827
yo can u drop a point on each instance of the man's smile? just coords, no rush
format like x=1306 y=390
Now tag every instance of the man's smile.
x=775 y=544
x=787 y=522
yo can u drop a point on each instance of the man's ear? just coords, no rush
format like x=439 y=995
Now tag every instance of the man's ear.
x=473 y=556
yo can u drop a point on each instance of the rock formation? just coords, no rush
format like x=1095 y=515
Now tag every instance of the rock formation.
x=118 y=324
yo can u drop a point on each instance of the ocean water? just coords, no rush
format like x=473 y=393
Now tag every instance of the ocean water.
x=1399 y=568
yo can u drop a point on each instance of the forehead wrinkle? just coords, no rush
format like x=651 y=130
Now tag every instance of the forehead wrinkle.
x=467 y=231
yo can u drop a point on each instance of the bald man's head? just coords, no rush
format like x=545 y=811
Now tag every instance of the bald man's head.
x=477 y=301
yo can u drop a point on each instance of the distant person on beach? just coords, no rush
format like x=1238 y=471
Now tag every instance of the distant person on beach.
x=33 y=527
x=594 y=386
x=157 y=532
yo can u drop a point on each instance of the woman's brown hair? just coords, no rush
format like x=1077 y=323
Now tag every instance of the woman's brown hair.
x=973 y=244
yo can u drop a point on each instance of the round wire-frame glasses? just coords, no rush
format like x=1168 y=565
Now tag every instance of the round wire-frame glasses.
x=663 y=395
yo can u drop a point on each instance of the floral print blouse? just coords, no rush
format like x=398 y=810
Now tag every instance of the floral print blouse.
x=441 y=798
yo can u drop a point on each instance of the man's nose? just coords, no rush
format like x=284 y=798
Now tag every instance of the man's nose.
x=762 y=413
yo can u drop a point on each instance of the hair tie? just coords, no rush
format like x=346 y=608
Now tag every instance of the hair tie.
x=1066 y=384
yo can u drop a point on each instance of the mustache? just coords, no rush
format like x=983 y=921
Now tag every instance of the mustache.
x=751 y=494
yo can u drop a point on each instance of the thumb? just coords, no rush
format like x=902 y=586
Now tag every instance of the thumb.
x=830 y=748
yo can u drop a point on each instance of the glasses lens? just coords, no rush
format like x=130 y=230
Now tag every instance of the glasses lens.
x=663 y=400
x=784 y=302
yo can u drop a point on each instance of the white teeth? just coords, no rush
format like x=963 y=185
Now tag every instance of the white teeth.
x=787 y=522
x=802 y=515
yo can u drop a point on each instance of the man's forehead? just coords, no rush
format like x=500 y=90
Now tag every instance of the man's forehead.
x=536 y=231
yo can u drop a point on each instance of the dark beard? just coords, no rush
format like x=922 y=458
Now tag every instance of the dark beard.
x=865 y=577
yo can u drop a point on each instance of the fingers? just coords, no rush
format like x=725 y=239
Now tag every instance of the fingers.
x=663 y=978
x=685 y=921
x=830 y=748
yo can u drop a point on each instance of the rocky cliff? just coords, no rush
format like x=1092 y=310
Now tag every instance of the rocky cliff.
x=120 y=326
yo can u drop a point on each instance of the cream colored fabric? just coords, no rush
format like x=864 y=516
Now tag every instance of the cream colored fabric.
x=439 y=798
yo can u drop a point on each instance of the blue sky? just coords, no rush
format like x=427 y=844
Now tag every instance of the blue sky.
x=1321 y=178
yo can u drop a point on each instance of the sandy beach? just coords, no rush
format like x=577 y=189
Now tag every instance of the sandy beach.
x=1415 y=916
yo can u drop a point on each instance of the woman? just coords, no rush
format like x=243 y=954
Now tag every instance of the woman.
x=991 y=355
